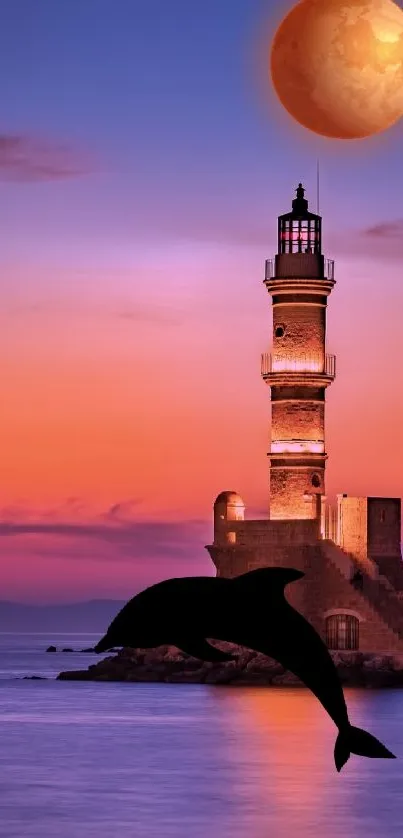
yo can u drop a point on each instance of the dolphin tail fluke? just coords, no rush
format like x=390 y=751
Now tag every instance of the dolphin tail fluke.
x=353 y=740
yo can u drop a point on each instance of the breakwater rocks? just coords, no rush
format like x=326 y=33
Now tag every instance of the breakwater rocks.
x=54 y=649
x=169 y=665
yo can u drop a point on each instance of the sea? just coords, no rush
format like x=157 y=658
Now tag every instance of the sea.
x=116 y=760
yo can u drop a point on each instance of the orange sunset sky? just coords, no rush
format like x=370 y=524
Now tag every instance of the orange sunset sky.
x=140 y=200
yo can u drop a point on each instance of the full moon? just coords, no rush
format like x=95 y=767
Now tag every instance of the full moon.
x=337 y=66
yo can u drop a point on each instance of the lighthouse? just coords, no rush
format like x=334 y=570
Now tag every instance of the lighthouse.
x=298 y=368
x=351 y=590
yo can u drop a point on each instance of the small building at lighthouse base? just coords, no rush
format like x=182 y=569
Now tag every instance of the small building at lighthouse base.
x=352 y=589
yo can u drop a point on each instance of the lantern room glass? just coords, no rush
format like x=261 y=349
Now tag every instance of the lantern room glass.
x=299 y=235
x=300 y=231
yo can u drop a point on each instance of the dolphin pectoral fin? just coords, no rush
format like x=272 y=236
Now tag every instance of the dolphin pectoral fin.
x=267 y=577
x=199 y=647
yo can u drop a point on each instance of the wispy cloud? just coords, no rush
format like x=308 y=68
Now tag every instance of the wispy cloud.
x=132 y=538
x=245 y=229
x=123 y=511
x=386 y=230
x=380 y=241
x=24 y=158
x=162 y=533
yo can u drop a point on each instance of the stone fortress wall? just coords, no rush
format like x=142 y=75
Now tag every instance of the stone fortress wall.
x=329 y=586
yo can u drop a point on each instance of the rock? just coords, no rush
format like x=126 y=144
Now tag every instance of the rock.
x=51 y=649
x=169 y=664
x=221 y=674
x=244 y=658
x=192 y=664
x=287 y=679
x=263 y=665
x=383 y=678
x=148 y=676
x=167 y=653
x=252 y=679
x=67 y=650
x=195 y=677
x=34 y=678
x=351 y=677
x=378 y=663
x=133 y=656
x=348 y=659
x=157 y=668
x=396 y=663
x=78 y=675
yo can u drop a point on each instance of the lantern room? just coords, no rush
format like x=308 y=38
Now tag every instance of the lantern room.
x=299 y=231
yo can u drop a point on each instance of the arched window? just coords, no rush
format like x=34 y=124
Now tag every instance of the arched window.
x=342 y=631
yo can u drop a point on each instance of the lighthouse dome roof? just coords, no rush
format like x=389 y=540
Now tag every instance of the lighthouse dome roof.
x=230 y=498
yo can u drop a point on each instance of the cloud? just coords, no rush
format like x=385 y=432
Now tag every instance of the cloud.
x=386 y=230
x=116 y=528
x=379 y=241
x=164 y=534
x=29 y=159
x=122 y=512
x=240 y=228
x=73 y=513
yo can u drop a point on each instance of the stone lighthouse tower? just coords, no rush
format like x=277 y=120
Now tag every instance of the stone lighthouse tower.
x=298 y=369
x=351 y=590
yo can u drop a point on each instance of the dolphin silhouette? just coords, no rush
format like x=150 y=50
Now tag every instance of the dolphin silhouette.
x=251 y=611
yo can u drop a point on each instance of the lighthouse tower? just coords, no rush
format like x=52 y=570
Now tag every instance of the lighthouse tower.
x=298 y=369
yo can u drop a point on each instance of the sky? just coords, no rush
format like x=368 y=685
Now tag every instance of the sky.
x=144 y=159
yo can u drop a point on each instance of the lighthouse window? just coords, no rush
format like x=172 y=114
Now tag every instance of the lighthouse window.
x=315 y=481
x=342 y=631
x=279 y=331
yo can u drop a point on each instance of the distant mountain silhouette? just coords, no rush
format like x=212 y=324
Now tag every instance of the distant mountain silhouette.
x=90 y=616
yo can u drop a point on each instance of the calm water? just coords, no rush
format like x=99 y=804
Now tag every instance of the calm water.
x=81 y=760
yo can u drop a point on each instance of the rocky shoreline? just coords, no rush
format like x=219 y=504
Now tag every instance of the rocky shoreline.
x=169 y=665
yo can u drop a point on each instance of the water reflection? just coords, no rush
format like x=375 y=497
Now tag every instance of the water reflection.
x=287 y=748
x=85 y=760
x=284 y=748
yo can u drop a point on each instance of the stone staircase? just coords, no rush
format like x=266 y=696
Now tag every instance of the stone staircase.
x=376 y=589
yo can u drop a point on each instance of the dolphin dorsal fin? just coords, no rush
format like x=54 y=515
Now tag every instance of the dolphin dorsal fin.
x=264 y=578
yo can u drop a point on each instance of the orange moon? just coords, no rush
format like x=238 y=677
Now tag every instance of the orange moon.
x=337 y=66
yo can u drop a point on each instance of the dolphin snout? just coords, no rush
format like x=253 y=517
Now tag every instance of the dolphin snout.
x=103 y=645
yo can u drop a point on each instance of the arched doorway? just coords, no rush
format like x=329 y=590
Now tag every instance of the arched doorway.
x=342 y=632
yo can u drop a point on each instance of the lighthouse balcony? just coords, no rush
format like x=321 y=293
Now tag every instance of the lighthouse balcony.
x=309 y=368
x=301 y=265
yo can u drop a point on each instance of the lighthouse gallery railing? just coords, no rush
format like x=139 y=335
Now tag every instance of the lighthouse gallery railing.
x=272 y=363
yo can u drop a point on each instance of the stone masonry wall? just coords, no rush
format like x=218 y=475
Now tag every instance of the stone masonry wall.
x=304 y=330
x=384 y=536
x=267 y=533
x=323 y=589
x=352 y=514
x=287 y=489
x=384 y=526
x=297 y=420
x=326 y=590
